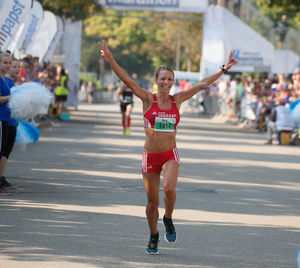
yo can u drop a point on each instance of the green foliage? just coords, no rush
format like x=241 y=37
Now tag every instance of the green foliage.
x=143 y=41
x=124 y=37
x=73 y=9
x=287 y=6
x=275 y=8
x=90 y=54
x=89 y=78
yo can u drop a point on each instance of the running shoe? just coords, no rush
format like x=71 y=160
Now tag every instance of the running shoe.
x=3 y=191
x=170 y=235
x=152 y=248
x=124 y=133
x=5 y=183
x=128 y=131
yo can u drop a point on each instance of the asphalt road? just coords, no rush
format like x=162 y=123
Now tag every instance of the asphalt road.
x=80 y=200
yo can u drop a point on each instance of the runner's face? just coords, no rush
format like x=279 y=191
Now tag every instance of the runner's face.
x=5 y=64
x=165 y=81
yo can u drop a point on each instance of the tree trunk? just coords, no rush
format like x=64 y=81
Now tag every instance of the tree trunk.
x=101 y=70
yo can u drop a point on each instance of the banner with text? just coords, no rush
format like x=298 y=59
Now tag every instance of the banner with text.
x=27 y=31
x=156 y=5
x=34 y=23
x=44 y=36
x=12 y=14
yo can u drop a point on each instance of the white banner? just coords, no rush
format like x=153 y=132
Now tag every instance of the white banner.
x=196 y=6
x=12 y=14
x=29 y=33
x=56 y=39
x=143 y=3
x=71 y=43
x=44 y=36
x=13 y=43
x=71 y=47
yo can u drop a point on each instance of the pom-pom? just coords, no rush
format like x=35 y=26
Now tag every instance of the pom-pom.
x=28 y=100
x=294 y=104
x=27 y=133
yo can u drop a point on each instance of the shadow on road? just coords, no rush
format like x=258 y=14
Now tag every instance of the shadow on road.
x=80 y=199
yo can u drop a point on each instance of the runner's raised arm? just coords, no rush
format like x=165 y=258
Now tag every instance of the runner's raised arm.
x=121 y=73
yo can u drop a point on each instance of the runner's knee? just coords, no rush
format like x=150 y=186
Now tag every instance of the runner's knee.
x=169 y=189
x=153 y=204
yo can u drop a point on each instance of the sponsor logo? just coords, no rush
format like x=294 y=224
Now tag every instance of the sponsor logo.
x=30 y=33
x=163 y=114
x=154 y=3
x=11 y=21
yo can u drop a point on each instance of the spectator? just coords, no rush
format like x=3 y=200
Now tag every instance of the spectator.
x=227 y=97
x=83 y=87
x=236 y=7
x=239 y=96
x=11 y=78
x=280 y=120
x=233 y=94
x=187 y=85
x=61 y=91
x=181 y=85
x=282 y=30
x=90 y=91
x=221 y=84
x=27 y=69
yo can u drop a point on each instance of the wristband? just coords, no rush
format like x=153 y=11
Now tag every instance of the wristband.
x=223 y=69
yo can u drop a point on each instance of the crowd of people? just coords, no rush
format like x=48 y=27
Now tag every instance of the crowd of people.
x=252 y=101
x=15 y=72
x=247 y=100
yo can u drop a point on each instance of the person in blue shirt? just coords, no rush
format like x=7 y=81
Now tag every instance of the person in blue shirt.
x=5 y=64
x=10 y=79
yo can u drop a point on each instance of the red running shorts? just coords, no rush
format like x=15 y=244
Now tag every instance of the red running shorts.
x=153 y=162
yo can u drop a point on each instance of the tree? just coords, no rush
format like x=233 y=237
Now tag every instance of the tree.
x=142 y=41
x=275 y=8
x=177 y=41
x=73 y=9
x=124 y=36
x=289 y=6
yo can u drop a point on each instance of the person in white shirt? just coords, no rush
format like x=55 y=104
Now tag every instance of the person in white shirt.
x=280 y=120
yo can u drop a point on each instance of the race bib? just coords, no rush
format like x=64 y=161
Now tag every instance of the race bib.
x=127 y=99
x=164 y=124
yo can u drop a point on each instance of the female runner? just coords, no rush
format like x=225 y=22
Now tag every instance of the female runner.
x=161 y=117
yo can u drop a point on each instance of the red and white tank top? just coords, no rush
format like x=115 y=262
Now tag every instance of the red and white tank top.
x=162 y=120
